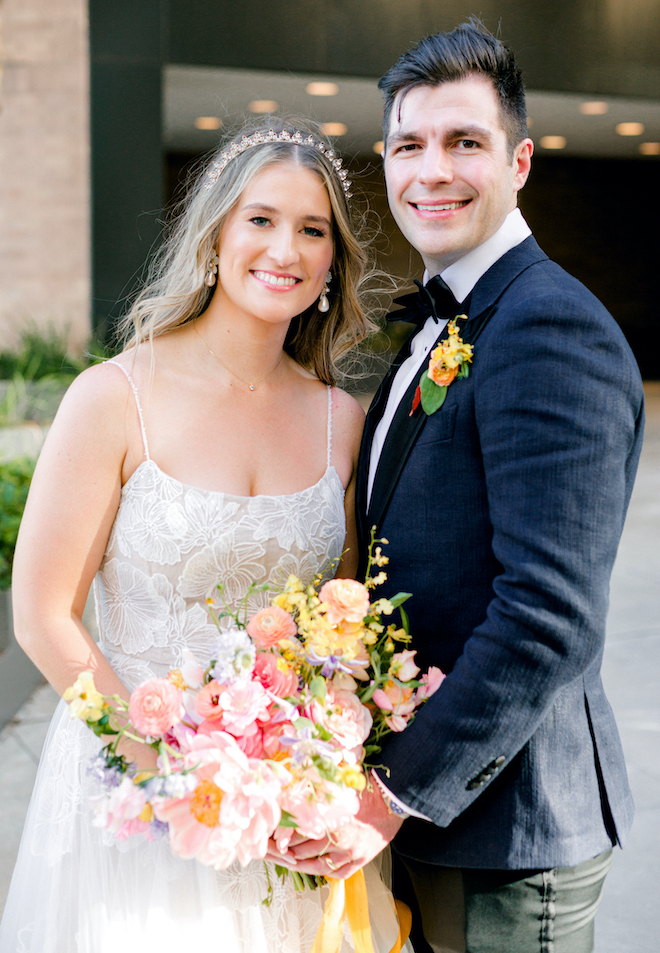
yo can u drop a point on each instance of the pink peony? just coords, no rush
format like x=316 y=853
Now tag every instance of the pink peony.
x=431 y=682
x=346 y=599
x=275 y=674
x=242 y=704
x=155 y=706
x=208 y=701
x=269 y=626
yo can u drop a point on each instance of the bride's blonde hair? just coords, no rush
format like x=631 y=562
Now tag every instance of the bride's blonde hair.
x=176 y=292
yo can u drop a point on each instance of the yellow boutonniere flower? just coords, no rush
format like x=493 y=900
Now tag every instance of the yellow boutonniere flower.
x=449 y=360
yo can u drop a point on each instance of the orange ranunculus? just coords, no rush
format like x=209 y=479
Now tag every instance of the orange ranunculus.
x=271 y=625
x=346 y=600
x=439 y=374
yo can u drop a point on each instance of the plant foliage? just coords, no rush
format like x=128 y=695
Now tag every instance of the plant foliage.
x=15 y=476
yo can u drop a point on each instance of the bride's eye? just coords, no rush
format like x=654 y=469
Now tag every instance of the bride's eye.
x=260 y=220
x=312 y=230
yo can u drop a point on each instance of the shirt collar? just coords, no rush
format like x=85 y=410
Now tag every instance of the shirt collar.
x=462 y=276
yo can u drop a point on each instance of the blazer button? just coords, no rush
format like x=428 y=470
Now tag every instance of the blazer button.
x=498 y=762
x=485 y=777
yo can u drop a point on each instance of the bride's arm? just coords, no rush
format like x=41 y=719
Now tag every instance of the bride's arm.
x=348 y=426
x=72 y=503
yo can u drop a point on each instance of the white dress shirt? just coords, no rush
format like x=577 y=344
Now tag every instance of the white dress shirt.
x=461 y=277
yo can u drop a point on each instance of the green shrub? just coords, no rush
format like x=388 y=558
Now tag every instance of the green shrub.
x=15 y=476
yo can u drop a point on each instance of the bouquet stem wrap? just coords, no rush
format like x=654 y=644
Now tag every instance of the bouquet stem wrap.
x=348 y=899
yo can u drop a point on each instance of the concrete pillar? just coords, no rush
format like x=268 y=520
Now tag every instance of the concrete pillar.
x=44 y=168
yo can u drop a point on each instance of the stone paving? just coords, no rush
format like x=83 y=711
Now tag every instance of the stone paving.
x=626 y=921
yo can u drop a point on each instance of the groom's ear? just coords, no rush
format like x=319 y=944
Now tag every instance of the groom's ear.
x=522 y=163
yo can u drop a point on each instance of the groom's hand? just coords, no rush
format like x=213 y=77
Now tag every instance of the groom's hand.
x=351 y=847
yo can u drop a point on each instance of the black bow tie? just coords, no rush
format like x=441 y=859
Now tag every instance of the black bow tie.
x=433 y=299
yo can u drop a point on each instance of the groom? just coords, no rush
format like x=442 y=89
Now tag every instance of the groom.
x=503 y=510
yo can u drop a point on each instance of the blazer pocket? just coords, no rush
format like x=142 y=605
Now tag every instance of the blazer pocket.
x=439 y=427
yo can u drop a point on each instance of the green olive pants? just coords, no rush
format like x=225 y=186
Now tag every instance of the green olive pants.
x=509 y=911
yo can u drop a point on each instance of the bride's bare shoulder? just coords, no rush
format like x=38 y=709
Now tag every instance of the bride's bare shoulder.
x=347 y=419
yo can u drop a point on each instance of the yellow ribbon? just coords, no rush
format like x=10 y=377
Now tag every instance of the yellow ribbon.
x=348 y=898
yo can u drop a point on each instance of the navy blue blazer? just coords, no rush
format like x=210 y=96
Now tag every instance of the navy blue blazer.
x=503 y=512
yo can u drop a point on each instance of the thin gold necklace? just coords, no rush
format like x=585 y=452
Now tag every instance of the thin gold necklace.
x=220 y=361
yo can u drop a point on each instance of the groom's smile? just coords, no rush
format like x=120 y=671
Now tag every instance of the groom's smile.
x=451 y=180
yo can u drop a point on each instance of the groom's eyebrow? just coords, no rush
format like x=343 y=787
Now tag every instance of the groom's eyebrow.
x=471 y=131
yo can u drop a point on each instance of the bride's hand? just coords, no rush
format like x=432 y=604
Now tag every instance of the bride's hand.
x=351 y=847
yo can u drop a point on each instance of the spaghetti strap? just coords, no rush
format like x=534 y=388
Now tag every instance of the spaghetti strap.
x=137 y=404
x=329 y=426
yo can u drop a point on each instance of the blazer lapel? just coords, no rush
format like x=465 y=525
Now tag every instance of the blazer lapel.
x=405 y=430
x=400 y=440
x=376 y=411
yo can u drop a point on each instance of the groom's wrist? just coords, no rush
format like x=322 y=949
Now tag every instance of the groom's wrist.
x=394 y=805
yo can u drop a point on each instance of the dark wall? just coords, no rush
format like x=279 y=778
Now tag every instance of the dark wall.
x=126 y=44
x=593 y=216
x=568 y=45
x=596 y=217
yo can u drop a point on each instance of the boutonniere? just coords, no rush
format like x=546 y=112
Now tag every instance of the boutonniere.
x=449 y=360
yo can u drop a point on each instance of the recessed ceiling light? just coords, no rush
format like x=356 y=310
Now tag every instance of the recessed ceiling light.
x=595 y=108
x=630 y=128
x=649 y=148
x=552 y=142
x=378 y=147
x=208 y=122
x=322 y=89
x=334 y=129
x=263 y=106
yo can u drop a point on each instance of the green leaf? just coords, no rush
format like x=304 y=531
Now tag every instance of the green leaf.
x=288 y=820
x=405 y=624
x=400 y=598
x=318 y=687
x=433 y=396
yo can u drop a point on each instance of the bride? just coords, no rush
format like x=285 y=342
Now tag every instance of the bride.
x=214 y=448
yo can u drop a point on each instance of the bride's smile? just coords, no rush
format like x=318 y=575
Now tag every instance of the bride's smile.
x=276 y=245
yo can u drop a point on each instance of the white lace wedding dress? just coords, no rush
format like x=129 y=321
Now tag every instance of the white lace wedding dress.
x=76 y=889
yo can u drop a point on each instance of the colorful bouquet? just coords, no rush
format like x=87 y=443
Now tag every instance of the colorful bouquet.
x=274 y=734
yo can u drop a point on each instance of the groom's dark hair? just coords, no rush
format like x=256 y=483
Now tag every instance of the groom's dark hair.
x=468 y=50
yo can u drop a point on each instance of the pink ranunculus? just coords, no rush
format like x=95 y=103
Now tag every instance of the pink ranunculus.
x=269 y=626
x=346 y=599
x=242 y=704
x=155 y=706
x=208 y=701
x=402 y=665
x=275 y=674
x=431 y=682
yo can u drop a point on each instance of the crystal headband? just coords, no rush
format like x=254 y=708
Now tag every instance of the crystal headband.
x=258 y=138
